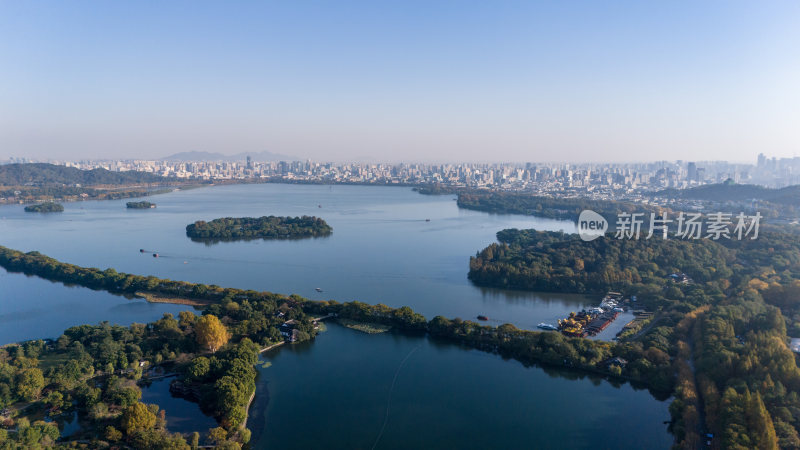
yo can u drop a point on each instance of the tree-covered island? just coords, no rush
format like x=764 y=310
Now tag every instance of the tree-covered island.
x=266 y=227
x=140 y=205
x=46 y=207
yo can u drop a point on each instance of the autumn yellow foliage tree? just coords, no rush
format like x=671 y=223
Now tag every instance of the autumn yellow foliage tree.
x=757 y=284
x=210 y=332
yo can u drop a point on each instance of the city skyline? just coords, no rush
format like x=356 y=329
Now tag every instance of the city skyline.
x=604 y=180
x=401 y=81
x=266 y=156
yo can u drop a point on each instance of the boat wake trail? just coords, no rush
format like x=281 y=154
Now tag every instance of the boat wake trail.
x=389 y=400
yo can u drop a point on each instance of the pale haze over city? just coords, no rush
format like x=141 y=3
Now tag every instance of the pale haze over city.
x=401 y=81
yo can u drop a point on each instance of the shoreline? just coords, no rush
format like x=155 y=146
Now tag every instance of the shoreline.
x=270 y=347
x=247 y=409
x=253 y=395
x=156 y=298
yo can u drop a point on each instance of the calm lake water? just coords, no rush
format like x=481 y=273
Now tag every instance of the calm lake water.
x=444 y=396
x=33 y=308
x=183 y=416
x=334 y=390
x=382 y=250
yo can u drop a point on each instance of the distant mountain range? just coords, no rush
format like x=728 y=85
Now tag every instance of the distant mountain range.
x=209 y=156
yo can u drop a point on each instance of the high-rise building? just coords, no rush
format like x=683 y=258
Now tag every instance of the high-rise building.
x=691 y=170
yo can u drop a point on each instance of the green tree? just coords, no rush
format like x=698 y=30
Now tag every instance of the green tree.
x=55 y=399
x=137 y=417
x=199 y=368
x=30 y=383
x=113 y=434
x=127 y=396
x=98 y=411
x=40 y=434
x=761 y=423
x=186 y=319
x=245 y=434
x=217 y=435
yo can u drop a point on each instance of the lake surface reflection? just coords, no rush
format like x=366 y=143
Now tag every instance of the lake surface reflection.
x=33 y=308
x=183 y=416
x=334 y=393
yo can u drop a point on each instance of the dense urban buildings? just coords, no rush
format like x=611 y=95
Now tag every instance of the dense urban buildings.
x=595 y=180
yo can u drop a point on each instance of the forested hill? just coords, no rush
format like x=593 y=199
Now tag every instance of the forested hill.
x=549 y=207
x=41 y=174
x=729 y=191
x=559 y=262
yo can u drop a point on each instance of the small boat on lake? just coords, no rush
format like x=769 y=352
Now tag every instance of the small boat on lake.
x=141 y=250
x=482 y=317
x=155 y=255
x=318 y=289
x=547 y=326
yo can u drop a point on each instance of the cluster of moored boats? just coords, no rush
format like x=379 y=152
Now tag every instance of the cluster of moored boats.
x=589 y=322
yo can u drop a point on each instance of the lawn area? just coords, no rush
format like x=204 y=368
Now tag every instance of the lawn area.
x=365 y=327
x=52 y=359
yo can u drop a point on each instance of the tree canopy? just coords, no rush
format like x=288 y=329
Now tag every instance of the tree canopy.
x=137 y=417
x=45 y=207
x=266 y=227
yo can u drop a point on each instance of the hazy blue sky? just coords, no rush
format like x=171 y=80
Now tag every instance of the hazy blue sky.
x=406 y=80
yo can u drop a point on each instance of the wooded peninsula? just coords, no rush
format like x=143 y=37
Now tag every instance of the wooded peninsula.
x=266 y=227
x=500 y=202
x=772 y=203
x=723 y=326
x=43 y=182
